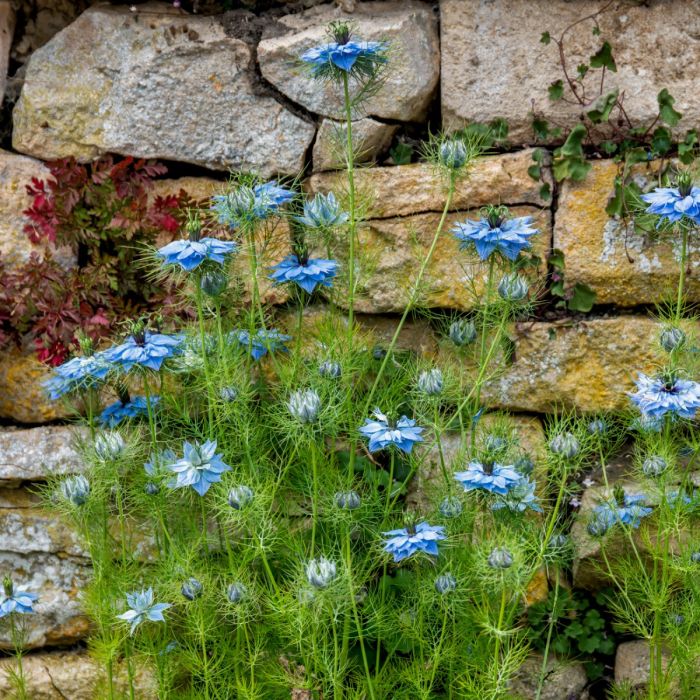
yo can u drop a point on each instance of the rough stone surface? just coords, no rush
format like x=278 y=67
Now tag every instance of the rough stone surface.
x=493 y=64
x=392 y=251
x=161 y=85
x=412 y=77
x=414 y=189
x=565 y=681
x=632 y=663
x=71 y=675
x=370 y=139
x=44 y=557
x=37 y=453
x=7 y=28
x=22 y=397
x=587 y=364
x=622 y=266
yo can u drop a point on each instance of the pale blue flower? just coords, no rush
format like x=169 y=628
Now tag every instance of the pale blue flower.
x=308 y=273
x=405 y=542
x=189 y=254
x=496 y=234
x=674 y=203
x=659 y=396
x=120 y=411
x=246 y=205
x=200 y=467
x=145 y=350
x=344 y=55
x=322 y=212
x=16 y=601
x=262 y=342
x=629 y=511
x=485 y=476
x=142 y=608
x=383 y=433
x=77 y=374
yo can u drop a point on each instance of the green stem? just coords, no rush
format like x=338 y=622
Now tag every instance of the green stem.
x=352 y=224
x=550 y=630
x=501 y=615
x=314 y=497
x=205 y=356
x=681 y=276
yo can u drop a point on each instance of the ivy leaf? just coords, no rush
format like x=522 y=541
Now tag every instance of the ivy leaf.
x=686 y=149
x=603 y=58
x=556 y=90
x=541 y=128
x=661 y=140
x=535 y=172
x=401 y=153
x=546 y=192
x=582 y=299
x=570 y=161
x=616 y=202
x=603 y=107
x=666 y=112
x=545 y=38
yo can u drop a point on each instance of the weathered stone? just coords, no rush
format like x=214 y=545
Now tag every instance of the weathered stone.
x=632 y=664
x=506 y=72
x=564 y=680
x=412 y=76
x=392 y=250
x=22 y=396
x=7 y=28
x=161 y=85
x=622 y=266
x=414 y=189
x=587 y=365
x=37 y=453
x=73 y=675
x=370 y=139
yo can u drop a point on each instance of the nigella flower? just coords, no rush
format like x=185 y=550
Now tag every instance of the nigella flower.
x=144 y=349
x=120 y=411
x=513 y=287
x=672 y=339
x=628 y=509
x=142 y=608
x=159 y=463
x=16 y=601
x=488 y=476
x=262 y=342
x=320 y=572
x=236 y=592
x=304 y=405
x=200 y=467
x=245 y=205
x=430 y=382
x=446 y=583
x=666 y=394
x=452 y=154
x=519 y=498
x=348 y=500
x=676 y=497
x=76 y=374
x=190 y=254
x=655 y=465
x=597 y=427
x=674 y=203
x=500 y=558
x=75 y=489
x=191 y=589
x=565 y=444
x=408 y=540
x=496 y=233
x=330 y=369
x=109 y=446
x=450 y=507
x=383 y=433
x=322 y=212
x=240 y=496
x=308 y=273
x=462 y=332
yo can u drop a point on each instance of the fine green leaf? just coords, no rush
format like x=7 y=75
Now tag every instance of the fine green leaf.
x=666 y=112
x=603 y=58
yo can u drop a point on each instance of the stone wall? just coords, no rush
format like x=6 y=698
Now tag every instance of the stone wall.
x=216 y=93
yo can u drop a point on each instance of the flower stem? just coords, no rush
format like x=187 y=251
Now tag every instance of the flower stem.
x=352 y=224
x=681 y=275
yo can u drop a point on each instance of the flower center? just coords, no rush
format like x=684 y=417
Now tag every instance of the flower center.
x=685 y=184
x=487 y=468
x=340 y=32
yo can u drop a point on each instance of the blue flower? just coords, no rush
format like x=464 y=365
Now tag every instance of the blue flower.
x=383 y=433
x=16 y=601
x=322 y=212
x=629 y=512
x=200 y=467
x=78 y=373
x=245 y=204
x=190 y=254
x=658 y=396
x=407 y=541
x=495 y=233
x=493 y=477
x=262 y=342
x=142 y=608
x=343 y=55
x=519 y=498
x=676 y=497
x=120 y=411
x=144 y=350
x=673 y=203
x=306 y=273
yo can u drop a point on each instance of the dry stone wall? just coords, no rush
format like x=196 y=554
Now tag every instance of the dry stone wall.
x=223 y=93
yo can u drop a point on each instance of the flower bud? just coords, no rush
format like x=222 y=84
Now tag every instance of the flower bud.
x=430 y=382
x=524 y=465
x=109 y=446
x=76 y=489
x=213 y=282
x=654 y=466
x=452 y=154
x=304 y=405
x=695 y=557
x=495 y=443
x=228 y=393
x=330 y=369
x=598 y=526
x=240 y=496
x=462 y=332
x=564 y=444
x=672 y=339
x=348 y=500
x=151 y=489
x=597 y=427
x=378 y=352
x=450 y=507
x=500 y=558
x=320 y=572
x=558 y=541
x=513 y=287
x=236 y=592
x=446 y=583
x=191 y=589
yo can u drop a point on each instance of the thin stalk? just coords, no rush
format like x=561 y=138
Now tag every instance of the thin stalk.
x=501 y=615
x=314 y=497
x=352 y=224
x=550 y=630
x=205 y=357
x=681 y=276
